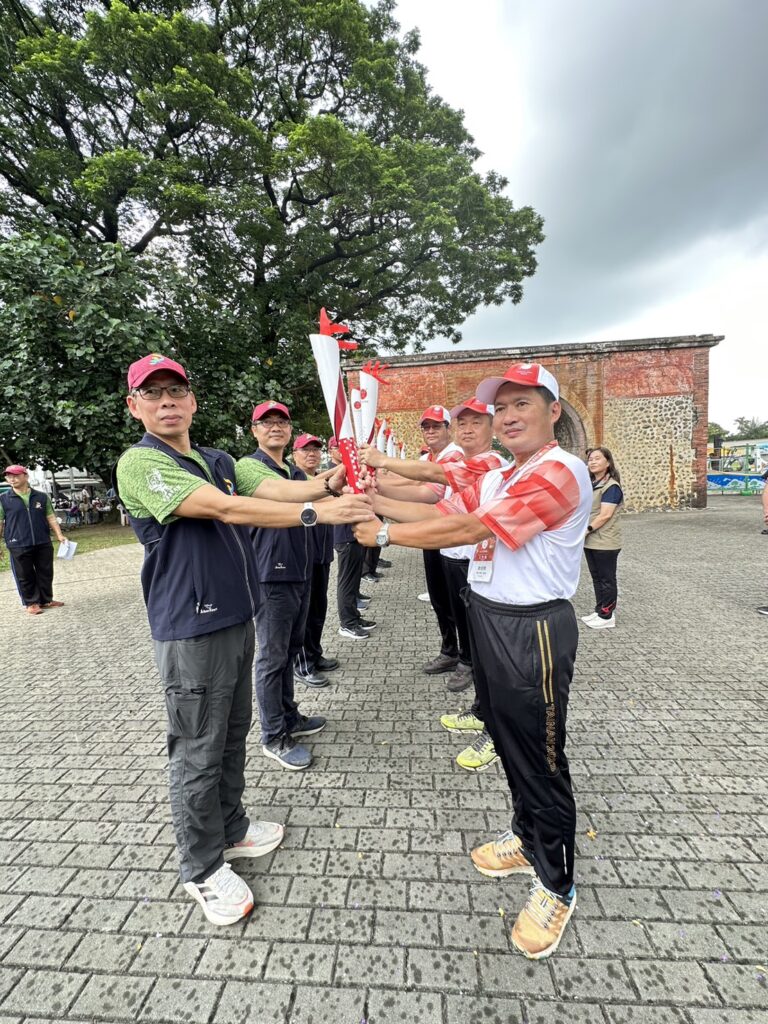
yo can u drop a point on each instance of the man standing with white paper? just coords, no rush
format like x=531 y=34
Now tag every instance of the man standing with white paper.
x=26 y=521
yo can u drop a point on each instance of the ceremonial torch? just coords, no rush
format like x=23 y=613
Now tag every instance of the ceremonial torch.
x=325 y=348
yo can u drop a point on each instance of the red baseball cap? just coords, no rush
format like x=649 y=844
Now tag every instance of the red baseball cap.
x=333 y=442
x=530 y=375
x=472 y=405
x=142 y=368
x=15 y=471
x=271 y=406
x=438 y=413
x=304 y=439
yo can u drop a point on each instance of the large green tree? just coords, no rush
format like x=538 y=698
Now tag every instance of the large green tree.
x=267 y=157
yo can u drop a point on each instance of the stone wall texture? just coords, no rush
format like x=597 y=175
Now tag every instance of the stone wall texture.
x=646 y=400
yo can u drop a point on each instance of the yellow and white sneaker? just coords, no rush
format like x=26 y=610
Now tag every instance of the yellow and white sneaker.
x=504 y=856
x=478 y=755
x=540 y=925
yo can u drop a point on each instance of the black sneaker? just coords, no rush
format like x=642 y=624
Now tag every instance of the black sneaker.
x=762 y=611
x=385 y=563
x=353 y=633
x=314 y=678
x=326 y=664
x=373 y=577
x=442 y=663
x=367 y=624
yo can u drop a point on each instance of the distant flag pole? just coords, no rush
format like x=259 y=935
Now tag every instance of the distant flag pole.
x=325 y=348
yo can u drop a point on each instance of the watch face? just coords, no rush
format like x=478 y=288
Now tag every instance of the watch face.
x=308 y=516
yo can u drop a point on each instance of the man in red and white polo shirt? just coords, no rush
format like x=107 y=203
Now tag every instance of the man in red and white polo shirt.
x=527 y=524
x=435 y=426
x=474 y=433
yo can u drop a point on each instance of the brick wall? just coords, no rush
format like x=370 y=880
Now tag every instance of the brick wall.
x=646 y=400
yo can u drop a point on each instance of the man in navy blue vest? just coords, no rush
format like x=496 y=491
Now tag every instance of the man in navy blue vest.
x=310 y=663
x=200 y=587
x=284 y=563
x=26 y=521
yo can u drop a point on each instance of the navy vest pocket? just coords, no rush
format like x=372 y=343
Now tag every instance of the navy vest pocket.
x=188 y=711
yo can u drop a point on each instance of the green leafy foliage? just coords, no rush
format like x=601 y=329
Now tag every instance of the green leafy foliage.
x=256 y=159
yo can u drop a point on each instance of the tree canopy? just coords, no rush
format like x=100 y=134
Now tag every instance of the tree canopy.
x=252 y=160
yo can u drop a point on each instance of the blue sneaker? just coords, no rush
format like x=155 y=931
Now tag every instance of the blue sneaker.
x=287 y=752
x=308 y=725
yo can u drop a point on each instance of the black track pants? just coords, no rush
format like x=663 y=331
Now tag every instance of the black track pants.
x=33 y=571
x=350 y=568
x=522 y=659
x=602 y=569
x=437 y=587
x=455 y=570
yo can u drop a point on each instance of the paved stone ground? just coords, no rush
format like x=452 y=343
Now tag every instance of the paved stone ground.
x=372 y=911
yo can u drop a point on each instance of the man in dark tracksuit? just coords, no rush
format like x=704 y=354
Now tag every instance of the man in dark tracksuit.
x=26 y=521
x=284 y=560
x=200 y=587
x=310 y=662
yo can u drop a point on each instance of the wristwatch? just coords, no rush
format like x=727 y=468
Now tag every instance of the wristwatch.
x=308 y=515
x=382 y=537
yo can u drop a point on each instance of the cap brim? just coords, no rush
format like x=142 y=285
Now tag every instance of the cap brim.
x=487 y=389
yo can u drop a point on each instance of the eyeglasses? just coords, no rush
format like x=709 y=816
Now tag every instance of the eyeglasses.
x=273 y=423
x=154 y=392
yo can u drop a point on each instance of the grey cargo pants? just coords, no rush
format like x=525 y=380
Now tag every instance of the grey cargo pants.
x=207 y=681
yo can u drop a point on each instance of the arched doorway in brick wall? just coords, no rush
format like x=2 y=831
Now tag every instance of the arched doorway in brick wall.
x=569 y=430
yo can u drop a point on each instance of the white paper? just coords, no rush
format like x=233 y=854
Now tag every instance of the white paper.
x=67 y=550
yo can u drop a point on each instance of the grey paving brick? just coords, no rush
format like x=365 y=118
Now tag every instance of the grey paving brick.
x=410 y=865
x=627 y=904
x=660 y=981
x=8 y=978
x=301 y=961
x=384 y=963
x=168 y=955
x=332 y=924
x=51 y=911
x=112 y=996
x=110 y=953
x=614 y=938
x=740 y=984
x=438 y=896
x=287 y=923
x=385 y=893
x=728 y=1016
x=253 y=1003
x=644 y=1015
x=234 y=957
x=592 y=979
x=328 y=1006
x=38 y=948
x=686 y=940
x=474 y=932
x=177 y=999
x=510 y=973
x=561 y=1013
x=442 y=969
x=392 y=926
x=154 y=885
x=746 y=942
x=482 y=1010
x=153 y=916
x=386 y=1007
x=49 y=992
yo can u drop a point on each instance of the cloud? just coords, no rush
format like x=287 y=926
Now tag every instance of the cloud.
x=636 y=130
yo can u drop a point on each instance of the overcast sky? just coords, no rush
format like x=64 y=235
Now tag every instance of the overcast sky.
x=639 y=132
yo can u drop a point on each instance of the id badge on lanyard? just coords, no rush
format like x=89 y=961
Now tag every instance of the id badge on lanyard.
x=481 y=566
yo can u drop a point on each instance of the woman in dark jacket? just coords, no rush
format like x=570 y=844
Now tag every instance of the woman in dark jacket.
x=603 y=541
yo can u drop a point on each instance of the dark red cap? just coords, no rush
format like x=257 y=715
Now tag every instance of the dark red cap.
x=263 y=408
x=143 y=368
x=304 y=439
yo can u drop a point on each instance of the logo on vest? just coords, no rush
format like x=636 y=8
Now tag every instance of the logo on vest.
x=205 y=609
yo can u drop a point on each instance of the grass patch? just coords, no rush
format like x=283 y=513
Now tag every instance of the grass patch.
x=89 y=538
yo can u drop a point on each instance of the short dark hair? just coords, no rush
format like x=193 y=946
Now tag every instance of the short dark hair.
x=546 y=394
